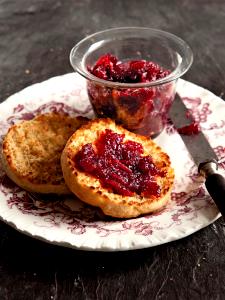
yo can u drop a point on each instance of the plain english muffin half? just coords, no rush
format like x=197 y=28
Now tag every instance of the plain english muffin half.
x=32 y=149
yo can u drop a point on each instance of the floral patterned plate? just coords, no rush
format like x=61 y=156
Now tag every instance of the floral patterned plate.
x=67 y=221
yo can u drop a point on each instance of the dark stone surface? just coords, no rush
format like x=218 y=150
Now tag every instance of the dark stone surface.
x=35 y=41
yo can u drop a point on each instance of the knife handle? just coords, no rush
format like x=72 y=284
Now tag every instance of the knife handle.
x=215 y=183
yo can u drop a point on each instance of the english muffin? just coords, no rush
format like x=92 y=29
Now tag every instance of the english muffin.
x=32 y=149
x=123 y=173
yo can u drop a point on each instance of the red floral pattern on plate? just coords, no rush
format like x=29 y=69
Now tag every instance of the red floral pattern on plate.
x=60 y=220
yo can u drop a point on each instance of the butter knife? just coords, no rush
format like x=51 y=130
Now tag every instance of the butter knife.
x=202 y=154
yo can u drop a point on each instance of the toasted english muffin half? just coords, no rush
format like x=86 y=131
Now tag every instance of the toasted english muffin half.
x=32 y=149
x=89 y=188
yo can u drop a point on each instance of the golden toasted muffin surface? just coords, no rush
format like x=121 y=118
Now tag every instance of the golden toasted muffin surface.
x=32 y=149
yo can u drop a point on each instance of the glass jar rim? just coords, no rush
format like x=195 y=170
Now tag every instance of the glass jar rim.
x=175 y=74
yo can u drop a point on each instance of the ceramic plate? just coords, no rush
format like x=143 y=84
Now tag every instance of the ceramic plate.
x=68 y=222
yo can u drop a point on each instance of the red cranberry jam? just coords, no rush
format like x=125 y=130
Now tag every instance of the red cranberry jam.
x=120 y=165
x=108 y=67
x=142 y=110
x=191 y=129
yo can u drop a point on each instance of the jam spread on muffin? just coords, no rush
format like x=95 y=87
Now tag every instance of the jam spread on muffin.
x=140 y=109
x=119 y=165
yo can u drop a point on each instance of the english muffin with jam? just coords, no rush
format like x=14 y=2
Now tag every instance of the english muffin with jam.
x=123 y=173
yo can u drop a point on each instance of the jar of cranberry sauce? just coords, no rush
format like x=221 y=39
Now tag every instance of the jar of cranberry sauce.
x=132 y=75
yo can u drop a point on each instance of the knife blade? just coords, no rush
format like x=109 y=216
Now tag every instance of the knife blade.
x=202 y=153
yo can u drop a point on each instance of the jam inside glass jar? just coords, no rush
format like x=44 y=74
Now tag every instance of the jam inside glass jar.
x=127 y=72
x=120 y=165
x=142 y=110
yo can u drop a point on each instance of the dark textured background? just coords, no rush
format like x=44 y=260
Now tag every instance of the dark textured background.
x=35 y=41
